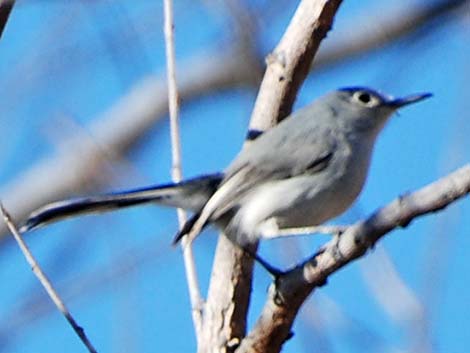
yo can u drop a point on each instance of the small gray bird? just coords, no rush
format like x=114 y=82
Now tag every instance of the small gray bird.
x=293 y=177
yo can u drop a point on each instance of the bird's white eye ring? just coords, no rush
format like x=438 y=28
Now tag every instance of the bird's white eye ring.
x=366 y=99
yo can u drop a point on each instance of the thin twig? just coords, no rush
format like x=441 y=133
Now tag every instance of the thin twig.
x=176 y=174
x=44 y=280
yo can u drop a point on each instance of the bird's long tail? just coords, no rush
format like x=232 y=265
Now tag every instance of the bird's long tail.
x=190 y=195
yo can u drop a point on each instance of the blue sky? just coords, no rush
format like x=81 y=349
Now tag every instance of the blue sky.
x=62 y=64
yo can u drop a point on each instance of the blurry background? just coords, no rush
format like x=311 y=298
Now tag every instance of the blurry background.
x=83 y=109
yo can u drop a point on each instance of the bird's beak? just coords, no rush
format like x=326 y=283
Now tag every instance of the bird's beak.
x=414 y=98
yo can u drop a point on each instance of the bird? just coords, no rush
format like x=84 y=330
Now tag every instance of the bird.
x=290 y=179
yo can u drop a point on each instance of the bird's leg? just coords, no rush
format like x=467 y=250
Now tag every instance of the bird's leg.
x=273 y=271
x=323 y=229
x=270 y=229
x=237 y=240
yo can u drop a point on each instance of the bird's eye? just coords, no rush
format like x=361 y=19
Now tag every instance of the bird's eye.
x=366 y=99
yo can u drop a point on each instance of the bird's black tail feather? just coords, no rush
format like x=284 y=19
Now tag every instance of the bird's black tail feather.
x=191 y=195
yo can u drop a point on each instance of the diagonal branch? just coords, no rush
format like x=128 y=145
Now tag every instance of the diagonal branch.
x=292 y=289
x=45 y=282
x=289 y=63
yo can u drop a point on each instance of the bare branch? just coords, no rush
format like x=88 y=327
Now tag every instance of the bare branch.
x=45 y=281
x=176 y=172
x=290 y=61
x=291 y=290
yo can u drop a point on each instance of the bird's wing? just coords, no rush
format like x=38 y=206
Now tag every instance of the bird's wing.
x=270 y=157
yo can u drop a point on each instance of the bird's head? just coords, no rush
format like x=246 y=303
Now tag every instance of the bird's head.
x=364 y=109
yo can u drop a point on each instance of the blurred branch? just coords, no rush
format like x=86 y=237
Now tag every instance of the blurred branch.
x=440 y=250
x=376 y=33
x=116 y=130
x=230 y=287
x=290 y=291
x=322 y=313
x=80 y=52
x=397 y=299
x=5 y=9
